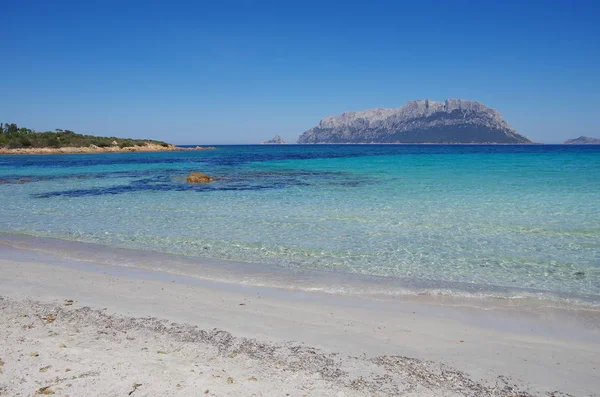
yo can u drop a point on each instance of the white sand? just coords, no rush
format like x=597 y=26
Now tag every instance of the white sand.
x=178 y=336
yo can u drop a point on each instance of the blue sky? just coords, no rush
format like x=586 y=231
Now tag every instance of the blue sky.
x=241 y=72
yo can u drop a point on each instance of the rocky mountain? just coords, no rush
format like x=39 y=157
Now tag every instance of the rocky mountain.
x=275 y=141
x=422 y=121
x=583 y=140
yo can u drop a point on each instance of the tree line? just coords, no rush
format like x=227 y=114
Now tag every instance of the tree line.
x=14 y=129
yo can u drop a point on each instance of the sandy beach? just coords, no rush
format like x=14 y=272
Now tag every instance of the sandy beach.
x=78 y=328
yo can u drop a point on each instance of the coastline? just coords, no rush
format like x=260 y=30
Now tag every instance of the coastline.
x=296 y=342
x=262 y=274
x=92 y=149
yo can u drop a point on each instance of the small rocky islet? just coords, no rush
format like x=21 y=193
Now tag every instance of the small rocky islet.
x=583 y=140
x=276 y=140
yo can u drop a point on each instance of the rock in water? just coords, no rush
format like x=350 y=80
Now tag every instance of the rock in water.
x=583 y=140
x=198 y=177
x=275 y=141
x=422 y=121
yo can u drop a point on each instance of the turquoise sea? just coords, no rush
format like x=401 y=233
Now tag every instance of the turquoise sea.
x=501 y=221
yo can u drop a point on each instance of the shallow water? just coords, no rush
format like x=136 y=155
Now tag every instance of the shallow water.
x=491 y=219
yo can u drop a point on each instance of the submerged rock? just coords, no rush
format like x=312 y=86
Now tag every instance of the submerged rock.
x=6 y=181
x=199 y=177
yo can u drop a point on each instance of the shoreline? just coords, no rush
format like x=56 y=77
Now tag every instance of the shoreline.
x=536 y=352
x=307 y=280
x=149 y=147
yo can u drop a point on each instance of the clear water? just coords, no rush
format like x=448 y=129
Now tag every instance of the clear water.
x=510 y=218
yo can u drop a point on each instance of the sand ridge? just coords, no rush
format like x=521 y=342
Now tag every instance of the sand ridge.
x=63 y=349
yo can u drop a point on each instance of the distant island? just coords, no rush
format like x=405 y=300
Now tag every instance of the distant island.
x=583 y=140
x=421 y=121
x=277 y=140
x=19 y=140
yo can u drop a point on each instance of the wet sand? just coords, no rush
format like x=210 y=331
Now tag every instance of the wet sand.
x=79 y=328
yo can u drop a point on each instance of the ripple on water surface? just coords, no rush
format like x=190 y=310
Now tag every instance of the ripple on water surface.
x=508 y=217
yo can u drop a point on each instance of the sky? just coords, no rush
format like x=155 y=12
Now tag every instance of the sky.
x=242 y=71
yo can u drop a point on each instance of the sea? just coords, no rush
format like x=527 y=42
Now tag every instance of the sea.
x=481 y=221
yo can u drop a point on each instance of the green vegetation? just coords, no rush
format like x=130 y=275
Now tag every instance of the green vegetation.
x=14 y=137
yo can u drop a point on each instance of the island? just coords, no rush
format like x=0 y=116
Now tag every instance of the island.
x=421 y=121
x=277 y=140
x=20 y=140
x=583 y=140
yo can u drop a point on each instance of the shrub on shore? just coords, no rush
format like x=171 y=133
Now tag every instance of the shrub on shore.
x=15 y=137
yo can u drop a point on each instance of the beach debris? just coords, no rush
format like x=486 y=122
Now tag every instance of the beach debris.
x=68 y=370
x=230 y=380
x=135 y=387
x=1 y=363
x=199 y=177
x=50 y=318
x=462 y=341
x=356 y=383
x=252 y=379
x=68 y=302
x=62 y=345
x=46 y=368
x=34 y=354
x=242 y=304
x=44 y=390
x=206 y=391
x=162 y=352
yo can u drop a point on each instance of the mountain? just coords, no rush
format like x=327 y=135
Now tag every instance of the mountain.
x=422 y=121
x=275 y=141
x=583 y=140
